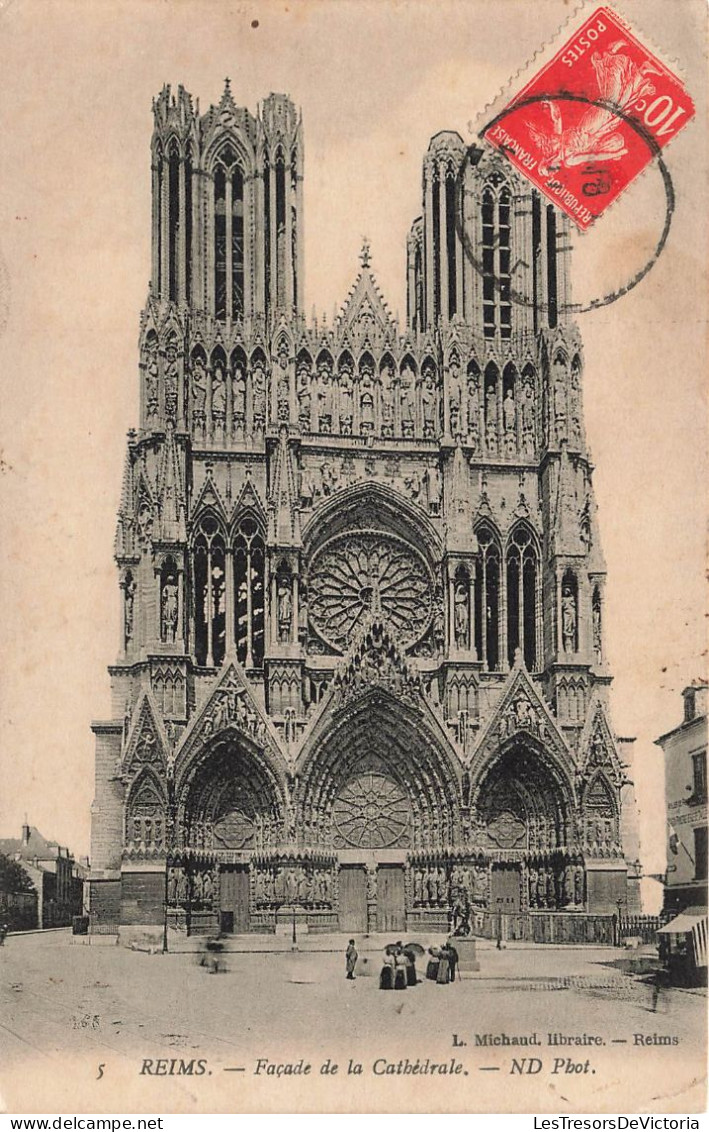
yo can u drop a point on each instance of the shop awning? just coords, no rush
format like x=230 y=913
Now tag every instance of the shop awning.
x=686 y=920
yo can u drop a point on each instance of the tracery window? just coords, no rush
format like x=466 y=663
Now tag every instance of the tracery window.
x=249 y=561
x=521 y=596
x=497 y=307
x=209 y=593
x=487 y=599
x=173 y=219
x=228 y=236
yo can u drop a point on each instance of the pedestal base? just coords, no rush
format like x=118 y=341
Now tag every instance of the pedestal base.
x=465 y=946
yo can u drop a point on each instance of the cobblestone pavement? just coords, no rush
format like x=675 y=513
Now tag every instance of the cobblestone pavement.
x=67 y=1010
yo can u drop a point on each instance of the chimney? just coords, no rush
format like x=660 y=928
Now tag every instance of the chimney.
x=25 y=832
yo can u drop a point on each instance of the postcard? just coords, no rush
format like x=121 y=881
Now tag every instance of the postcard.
x=353 y=509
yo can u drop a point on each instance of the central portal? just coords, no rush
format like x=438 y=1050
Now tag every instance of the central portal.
x=234 y=899
x=505 y=887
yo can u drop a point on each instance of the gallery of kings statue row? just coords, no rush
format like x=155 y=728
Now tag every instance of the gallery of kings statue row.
x=361 y=678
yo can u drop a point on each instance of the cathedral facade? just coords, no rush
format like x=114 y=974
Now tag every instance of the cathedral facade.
x=361 y=675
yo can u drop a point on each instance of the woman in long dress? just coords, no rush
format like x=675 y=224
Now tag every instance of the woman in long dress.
x=386 y=978
x=400 y=970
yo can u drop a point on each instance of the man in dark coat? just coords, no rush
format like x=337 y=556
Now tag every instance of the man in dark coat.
x=351 y=959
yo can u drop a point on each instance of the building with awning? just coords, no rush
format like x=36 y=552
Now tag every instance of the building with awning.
x=692 y=925
x=685 y=755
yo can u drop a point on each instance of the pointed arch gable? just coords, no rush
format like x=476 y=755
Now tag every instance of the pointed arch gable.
x=249 y=502
x=209 y=502
x=146 y=744
x=511 y=720
x=230 y=708
x=224 y=138
x=390 y=681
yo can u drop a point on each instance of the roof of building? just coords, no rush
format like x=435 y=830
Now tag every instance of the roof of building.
x=31 y=848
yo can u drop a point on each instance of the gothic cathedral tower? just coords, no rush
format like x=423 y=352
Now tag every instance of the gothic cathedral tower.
x=361 y=675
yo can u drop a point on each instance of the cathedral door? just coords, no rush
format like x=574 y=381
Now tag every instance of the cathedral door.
x=353 y=899
x=505 y=887
x=391 y=910
x=234 y=899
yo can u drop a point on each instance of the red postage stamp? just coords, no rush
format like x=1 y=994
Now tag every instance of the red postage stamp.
x=592 y=118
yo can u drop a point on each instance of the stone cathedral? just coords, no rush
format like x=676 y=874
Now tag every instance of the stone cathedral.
x=361 y=672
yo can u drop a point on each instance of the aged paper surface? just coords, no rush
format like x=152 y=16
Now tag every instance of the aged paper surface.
x=106 y=1029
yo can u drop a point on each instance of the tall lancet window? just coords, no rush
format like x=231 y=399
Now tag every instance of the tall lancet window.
x=297 y=282
x=249 y=562
x=281 y=251
x=228 y=236
x=237 y=243
x=173 y=220
x=487 y=599
x=209 y=593
x=521 y=596
x=450 y=245
x=496 y=246
x=220 y=243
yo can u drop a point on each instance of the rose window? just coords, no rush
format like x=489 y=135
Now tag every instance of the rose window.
x=371 y=812
x=354 y=574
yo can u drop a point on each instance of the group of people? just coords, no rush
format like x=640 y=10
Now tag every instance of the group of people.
x=443 y=964
x=398 y=967
x=399 y=964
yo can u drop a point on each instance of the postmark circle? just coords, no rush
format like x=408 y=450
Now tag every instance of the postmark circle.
x=611 y=296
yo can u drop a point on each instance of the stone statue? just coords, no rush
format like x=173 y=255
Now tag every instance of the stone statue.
x=239 y=394
x=578 y=885
x=325 y=397
x=541 y=889
x=454 y=398
x=431 y=887
x=283 y=385
x=258 y=385
x=433 y=488
x=491 y=419
x=560 y=399
x=568 y=620
x=532 y=877
x=407 y=384
x=597 y=641
x=386 y=378
x=473 y=408
x=171 y=381
x=509 y=417
x=367 y=411
x=461 y=615
x=199 y=385
x=169 y=609
x=429 y=403
x=413 y=484
x=152 y=376
x=346 y=402
x=441 y=886
x=130 y=589
x=218 y=393
x=285 y=609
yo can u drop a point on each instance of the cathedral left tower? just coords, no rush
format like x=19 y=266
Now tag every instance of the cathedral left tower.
x=226 y=270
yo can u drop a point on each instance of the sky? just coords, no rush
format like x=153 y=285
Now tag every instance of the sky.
x=374 y=80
